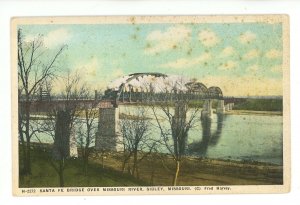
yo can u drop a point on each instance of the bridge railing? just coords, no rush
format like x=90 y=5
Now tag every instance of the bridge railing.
x=128 y=96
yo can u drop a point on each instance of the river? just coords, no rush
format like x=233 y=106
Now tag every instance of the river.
x=236 y=137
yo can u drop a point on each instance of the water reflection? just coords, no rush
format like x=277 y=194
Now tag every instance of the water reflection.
x=209 y=138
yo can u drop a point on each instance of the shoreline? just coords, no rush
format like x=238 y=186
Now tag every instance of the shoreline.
x=254 y=112
x=200 y=171
x=106 y=169
x=234 y=161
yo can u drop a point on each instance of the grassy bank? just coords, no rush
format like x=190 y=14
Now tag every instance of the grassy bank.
x=44 y=175
x=260 y=105
x=154 y=170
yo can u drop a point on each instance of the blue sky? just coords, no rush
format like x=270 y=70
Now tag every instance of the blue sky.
x=241 y=58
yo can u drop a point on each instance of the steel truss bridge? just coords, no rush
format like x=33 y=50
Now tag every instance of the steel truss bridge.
x=127 y=93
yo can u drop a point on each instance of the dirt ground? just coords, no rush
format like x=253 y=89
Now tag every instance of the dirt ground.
x=158 y=170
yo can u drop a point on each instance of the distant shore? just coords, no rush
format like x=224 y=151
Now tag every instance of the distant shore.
x=42 y=116
x=253 y=112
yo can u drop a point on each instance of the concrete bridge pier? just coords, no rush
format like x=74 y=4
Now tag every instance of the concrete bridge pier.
x=73 y=144
x=109 y=136
x=179 y=123
x=180 y=115
x=229 y=106
x=65 y=144
x=207 y=109
x=221 y=107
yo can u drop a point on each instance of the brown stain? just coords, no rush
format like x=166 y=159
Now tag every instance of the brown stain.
x=132 y=20
x=189 y=52
x=134 y=37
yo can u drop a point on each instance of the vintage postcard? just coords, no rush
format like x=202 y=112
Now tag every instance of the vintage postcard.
x=116 y=105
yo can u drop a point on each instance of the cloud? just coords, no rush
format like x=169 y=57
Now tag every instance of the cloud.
x=176 y=33
x=276 y=69
x=118 y=73
x=208 y=38
x=273 y=53
x=95 y=75
x=229 y=65
x=254 y=53
x=188 y=62
x=173 y=37
x=57 y=37
x=228 y=51
x=247 y=37
x=86 y=70
x=89 y=68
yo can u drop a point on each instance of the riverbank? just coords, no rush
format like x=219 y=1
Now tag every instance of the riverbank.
x=253 y=112
x=158 y=170
x=155 y=170
x=132 y=117
x=43 y=173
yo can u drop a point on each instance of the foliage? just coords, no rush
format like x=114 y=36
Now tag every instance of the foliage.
x=44 y=175
x=260 y=105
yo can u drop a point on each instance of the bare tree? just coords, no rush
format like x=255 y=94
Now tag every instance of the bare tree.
x=61 y=122
x=175 y=118
x=87 y=129
x=33 y=69
x=137 y=143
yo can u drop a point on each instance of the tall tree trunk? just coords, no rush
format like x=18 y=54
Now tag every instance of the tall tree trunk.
x=22 y=144
x=27 y=165
x=176 y=173
x=61 y=173
x=124 y=165
x=125 y=161
x=86 y=162
x=134 y=169
x=152 y=178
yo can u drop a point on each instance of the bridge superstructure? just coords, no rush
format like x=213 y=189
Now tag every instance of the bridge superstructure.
x=154 y=88
x=129 y=91
x=139 y=88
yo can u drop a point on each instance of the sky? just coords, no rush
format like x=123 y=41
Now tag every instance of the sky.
x=243 y=59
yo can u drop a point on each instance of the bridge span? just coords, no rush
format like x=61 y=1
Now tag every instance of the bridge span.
x=151 y=88
x=137 y=88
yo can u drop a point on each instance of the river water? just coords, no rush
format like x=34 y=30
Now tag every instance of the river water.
x=240 y=137
x=236 y=137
